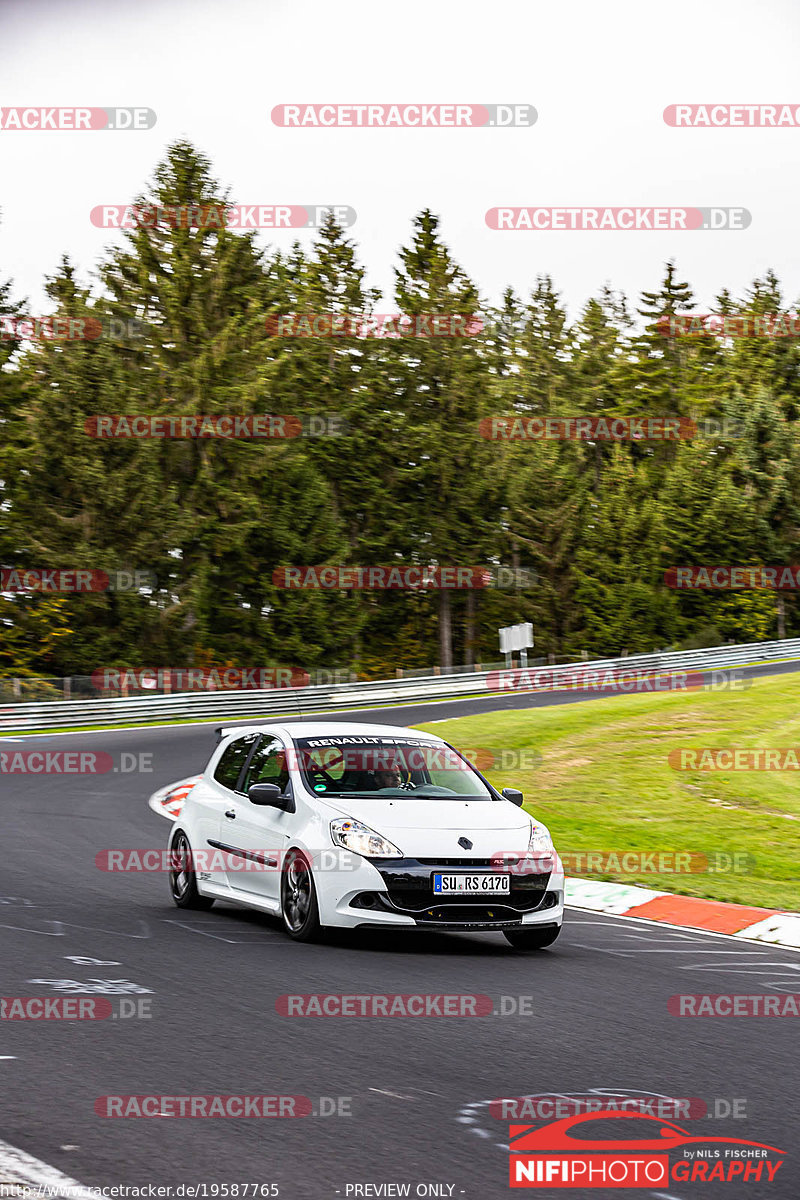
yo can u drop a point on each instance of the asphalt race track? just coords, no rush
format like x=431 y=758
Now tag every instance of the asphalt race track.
x=595 y=1015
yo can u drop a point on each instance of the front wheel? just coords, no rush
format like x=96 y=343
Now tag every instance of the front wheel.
x=299 y=899
x=182 y=879
x=532 y=939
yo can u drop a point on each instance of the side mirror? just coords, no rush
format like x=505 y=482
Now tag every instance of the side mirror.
x=269 y=794
x=514 y=796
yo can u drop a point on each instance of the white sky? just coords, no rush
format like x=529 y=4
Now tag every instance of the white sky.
x=599 y=75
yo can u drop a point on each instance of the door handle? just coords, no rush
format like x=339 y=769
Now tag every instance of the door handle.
x=231 y=814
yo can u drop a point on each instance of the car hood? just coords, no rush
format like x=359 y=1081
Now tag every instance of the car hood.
x=431 y=825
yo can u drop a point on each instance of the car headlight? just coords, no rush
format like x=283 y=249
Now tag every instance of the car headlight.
x=352 y=835
x=541 y=842
x=541 y=850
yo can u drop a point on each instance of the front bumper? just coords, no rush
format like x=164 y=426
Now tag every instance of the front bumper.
x=399 y=893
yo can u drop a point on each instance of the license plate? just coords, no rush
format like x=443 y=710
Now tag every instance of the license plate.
x=471 y=885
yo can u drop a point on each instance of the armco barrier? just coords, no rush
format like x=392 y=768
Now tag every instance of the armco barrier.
x=63 y=714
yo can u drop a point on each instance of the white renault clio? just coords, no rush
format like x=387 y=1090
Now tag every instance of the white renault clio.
x=356 y=826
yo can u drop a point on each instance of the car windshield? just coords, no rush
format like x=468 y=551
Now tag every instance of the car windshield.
x=406 y=768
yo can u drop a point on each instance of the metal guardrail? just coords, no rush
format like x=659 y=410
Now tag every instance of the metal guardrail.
x=60 y=714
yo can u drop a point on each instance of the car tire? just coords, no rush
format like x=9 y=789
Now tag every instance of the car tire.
x=183 y=883
x=532 y=939
x=299 y=908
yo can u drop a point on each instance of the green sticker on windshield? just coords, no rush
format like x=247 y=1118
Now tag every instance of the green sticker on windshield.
x=320 y=787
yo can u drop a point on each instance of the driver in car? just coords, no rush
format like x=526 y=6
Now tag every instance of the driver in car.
x=391 y=776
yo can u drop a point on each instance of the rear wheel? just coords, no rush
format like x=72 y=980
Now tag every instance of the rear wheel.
x=532 y=939
x=182 y=879
x=299 y=899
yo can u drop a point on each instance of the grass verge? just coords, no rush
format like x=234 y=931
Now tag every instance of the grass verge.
x=604 y=783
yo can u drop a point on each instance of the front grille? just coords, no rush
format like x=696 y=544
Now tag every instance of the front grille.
x=499 y=862
x=409 y=883
x=458 y=862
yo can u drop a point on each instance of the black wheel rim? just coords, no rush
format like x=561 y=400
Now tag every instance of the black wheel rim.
x=296 y=894
x=180 y=875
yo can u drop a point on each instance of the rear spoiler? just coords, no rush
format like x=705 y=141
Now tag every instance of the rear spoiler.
x=223 y=731
x=228 y=730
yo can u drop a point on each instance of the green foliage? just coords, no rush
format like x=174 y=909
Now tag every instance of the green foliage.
x=411 y=477
x=32 y=629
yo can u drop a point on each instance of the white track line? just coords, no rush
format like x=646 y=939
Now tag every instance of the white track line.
x=17 y=1167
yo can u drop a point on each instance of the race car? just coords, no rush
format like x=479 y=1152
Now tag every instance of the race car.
x=327 y=824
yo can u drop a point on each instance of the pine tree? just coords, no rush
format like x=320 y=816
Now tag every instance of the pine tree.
x=548 y=496
x=447 y=493
x=33 y=626
x=244 y=507
x=709 y=521
x=544 y=352
x=674 y=372
x=601 y=382
x=339 y=384
x=767 y=469
x=619 y=587
x=767 y=355
x=74 y=501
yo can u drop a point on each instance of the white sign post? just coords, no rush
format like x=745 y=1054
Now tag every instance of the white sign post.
x=516 y=637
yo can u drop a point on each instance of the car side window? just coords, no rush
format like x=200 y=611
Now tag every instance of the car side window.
x=268 y=765
x=230 y=765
